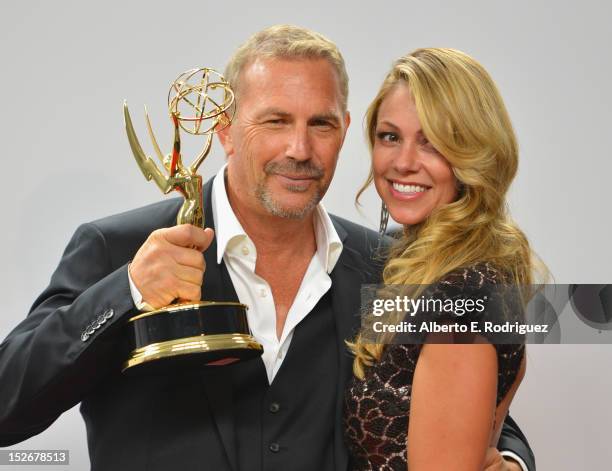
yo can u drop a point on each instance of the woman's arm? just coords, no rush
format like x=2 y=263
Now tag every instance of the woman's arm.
x=453 y=406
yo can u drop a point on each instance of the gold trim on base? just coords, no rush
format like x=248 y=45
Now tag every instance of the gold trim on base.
x=196 y=344
x=186 y=307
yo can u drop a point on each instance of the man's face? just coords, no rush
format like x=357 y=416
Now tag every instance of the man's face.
x=283 y=144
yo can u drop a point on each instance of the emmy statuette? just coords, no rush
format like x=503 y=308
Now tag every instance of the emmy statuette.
x=188 y=335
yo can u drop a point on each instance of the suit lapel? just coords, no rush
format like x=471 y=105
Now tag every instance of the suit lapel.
x=218 y=381
x=347 y=278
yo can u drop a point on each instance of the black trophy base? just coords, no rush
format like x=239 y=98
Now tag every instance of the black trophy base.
x=188 y=337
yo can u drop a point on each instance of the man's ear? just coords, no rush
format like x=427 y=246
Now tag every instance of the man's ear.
x=225 y=138
x=347 y=123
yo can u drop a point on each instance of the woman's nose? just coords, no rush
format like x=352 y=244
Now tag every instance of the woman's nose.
x=407 y=159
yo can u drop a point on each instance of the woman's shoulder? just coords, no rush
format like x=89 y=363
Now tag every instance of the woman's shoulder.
x=475 y=276
x=484 y=280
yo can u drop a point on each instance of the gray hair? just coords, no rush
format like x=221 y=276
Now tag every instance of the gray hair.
x=289 y=42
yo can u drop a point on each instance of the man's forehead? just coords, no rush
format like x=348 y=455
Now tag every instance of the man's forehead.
x=278 y=71
x=291 y=78
x=259 y=66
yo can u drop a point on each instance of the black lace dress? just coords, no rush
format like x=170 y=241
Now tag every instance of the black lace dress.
x=377 y=408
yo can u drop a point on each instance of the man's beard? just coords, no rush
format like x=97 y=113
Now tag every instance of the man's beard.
x=304 y=169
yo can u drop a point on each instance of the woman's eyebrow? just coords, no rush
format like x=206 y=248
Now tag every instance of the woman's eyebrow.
x=386 y=122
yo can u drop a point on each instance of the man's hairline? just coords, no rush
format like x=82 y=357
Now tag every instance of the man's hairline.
x=292 y=58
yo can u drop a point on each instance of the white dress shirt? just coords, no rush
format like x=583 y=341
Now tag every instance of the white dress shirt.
x=515 y=457
x=237 y=250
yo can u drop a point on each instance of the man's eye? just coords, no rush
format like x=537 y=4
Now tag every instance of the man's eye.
x=386 y=136
x=274 y=121
x=322 y=124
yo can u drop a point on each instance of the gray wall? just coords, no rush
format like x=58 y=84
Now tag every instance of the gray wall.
x=67 y=66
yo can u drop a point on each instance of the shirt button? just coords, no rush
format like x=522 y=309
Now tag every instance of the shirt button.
x=274 y=447
x=274 y=407
x=262 y=292
x=245 y=250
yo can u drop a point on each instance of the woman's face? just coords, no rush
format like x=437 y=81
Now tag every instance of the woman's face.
x=410 y=175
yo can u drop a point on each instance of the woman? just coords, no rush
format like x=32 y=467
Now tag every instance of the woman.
x=443 y=156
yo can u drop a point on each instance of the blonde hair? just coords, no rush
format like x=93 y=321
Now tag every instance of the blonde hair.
x=287 y=42
x=463 y=115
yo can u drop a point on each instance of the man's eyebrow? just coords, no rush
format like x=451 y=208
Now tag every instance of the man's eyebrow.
x=329 y=116
x=277 y=112
x=272 y=112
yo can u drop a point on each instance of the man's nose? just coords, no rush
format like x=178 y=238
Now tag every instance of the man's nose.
x=408 y=159
x=299 y=146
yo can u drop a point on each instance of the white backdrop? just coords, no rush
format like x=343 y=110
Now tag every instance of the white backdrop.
x=67 y=66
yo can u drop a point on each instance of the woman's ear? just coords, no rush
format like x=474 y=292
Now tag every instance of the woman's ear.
x=460 y=188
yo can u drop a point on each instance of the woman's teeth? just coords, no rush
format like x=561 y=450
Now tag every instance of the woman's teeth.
x=408 y=188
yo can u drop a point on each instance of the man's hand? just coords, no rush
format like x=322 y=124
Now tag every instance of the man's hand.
x=170 y=264
x=494 y=461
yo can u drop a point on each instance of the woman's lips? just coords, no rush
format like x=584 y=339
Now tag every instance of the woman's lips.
x=408 y=191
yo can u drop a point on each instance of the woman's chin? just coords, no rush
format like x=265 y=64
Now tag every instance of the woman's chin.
x=405 y=218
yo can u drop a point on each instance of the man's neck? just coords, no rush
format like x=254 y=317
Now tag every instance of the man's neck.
x=285 y=248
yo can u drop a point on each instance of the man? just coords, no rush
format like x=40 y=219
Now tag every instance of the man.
x=274 y=248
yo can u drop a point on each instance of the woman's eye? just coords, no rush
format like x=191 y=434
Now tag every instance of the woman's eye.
x=386 y=136
x=428 y=146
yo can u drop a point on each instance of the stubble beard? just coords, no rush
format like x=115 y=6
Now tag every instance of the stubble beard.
x=275 y=207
